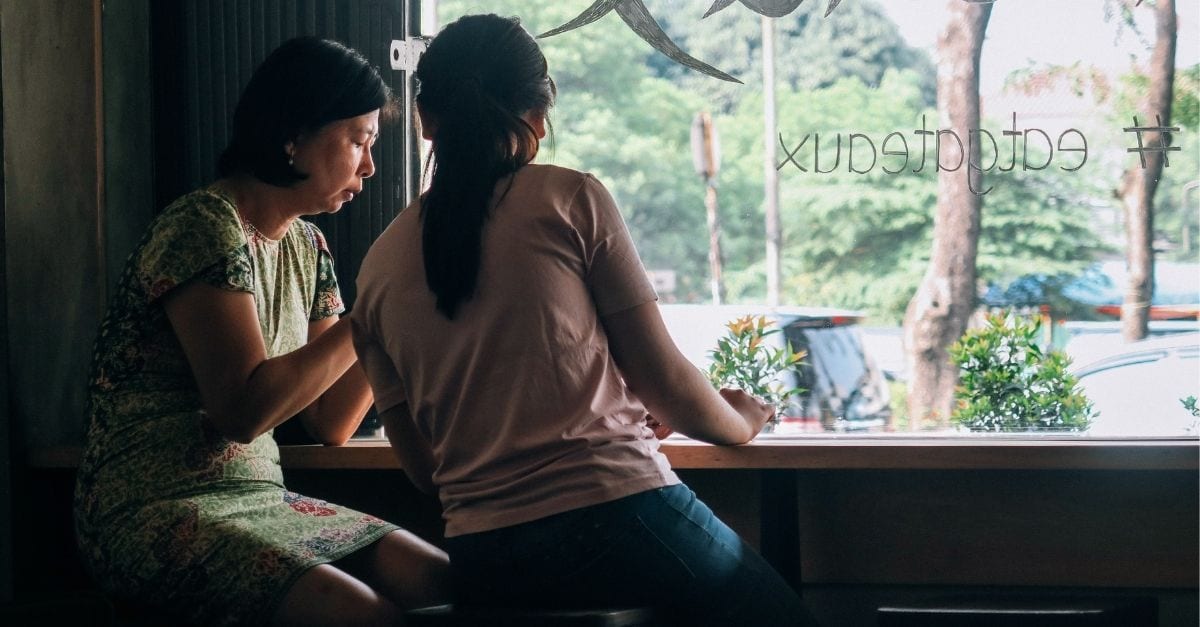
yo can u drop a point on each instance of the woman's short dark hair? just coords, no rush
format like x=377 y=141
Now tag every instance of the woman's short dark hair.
x=302 y=85
x=476 y=81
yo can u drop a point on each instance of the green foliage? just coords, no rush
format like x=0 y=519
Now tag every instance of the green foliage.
x=813 y=52
x=1185 y=110
x=1177 y=224
x=862 y=240
x=741 y=360
x=1008 y=384
x=1176 y=221
x=850 y=240
x=1189 y=404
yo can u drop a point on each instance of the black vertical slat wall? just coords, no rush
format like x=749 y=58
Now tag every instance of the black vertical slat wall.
x=204 y=52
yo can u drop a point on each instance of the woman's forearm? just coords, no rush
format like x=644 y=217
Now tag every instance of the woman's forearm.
x=337 y=413
x=686 y=402
x=245 y=393
x=670 y=387
x=283 y=386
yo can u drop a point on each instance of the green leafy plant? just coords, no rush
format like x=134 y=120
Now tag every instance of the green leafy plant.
x=1189 y=404
x=741 y=360
x=1008 y=383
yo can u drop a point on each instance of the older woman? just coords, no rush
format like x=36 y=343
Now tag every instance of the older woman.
x=225 y=325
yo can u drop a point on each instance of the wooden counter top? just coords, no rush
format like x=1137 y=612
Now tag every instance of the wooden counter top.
x=814 y=453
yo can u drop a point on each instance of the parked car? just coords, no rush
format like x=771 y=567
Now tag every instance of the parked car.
x=1137 y=387
x=1089 y=341
x=844 y=387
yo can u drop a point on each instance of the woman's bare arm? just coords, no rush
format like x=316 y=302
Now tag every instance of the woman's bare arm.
x=244 y=393
x=673 y=389
x=337 y=413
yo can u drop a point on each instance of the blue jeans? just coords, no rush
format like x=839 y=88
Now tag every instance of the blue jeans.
x=661 y=548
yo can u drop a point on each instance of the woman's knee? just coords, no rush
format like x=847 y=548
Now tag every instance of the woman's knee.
x=408 y=569
x=326 y=595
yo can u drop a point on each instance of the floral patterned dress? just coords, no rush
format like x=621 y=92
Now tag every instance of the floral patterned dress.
x=168 y=511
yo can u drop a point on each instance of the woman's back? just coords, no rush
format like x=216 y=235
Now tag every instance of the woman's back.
x=490 y=321
x=518 y=395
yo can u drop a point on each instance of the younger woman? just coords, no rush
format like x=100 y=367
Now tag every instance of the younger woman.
x=514 y=346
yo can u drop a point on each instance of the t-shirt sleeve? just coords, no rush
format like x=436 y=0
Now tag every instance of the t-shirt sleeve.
x=613 y=271
x=385 y=382
x=327 y=300
x=197 y=237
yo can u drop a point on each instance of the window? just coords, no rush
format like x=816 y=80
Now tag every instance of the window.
x=861 y=161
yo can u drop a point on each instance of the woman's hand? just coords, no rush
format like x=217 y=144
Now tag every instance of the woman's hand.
x=660 y=430
x=755 y=412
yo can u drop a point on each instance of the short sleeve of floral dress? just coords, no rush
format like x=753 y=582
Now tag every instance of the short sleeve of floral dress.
x=168 y=512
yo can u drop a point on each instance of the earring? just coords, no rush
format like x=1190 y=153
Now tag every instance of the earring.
x=291 y=160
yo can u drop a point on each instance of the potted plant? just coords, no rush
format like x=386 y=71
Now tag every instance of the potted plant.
x=1009 y=384
x=742 y=360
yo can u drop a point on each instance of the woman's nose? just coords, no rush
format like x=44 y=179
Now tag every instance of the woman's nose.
x=367 y=167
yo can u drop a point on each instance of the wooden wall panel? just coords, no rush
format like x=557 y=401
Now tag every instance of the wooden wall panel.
x=128 y=133
x=1098 y=528
x=52 y=193
x=5 y=439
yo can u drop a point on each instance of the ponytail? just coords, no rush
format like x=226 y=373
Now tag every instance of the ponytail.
x=478 y=79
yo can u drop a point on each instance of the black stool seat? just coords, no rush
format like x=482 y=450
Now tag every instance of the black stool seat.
x=449 y=616
x=1017 y=611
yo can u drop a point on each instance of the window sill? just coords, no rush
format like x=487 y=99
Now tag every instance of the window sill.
x=892 y=452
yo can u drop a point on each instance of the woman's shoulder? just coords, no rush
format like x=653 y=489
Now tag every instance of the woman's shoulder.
x=310 y=234
x=561 y=181
x=554 y=173
x=203 y=214
x=195 y=231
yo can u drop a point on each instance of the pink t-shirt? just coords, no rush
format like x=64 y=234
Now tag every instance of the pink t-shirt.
x=518 y=396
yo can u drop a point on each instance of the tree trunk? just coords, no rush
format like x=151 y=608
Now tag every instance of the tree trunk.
x=938 y=313
x=1140 y=181
x=713 y=218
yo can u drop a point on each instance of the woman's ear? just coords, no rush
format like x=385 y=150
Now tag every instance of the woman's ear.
x=537 y=120
x=428 y=124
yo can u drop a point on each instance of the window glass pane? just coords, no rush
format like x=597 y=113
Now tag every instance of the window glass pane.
x=875 y=190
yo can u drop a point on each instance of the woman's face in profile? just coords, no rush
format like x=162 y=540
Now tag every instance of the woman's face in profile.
x=336 y=158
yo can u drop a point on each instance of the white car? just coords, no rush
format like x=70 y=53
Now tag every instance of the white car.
x=1137 y=387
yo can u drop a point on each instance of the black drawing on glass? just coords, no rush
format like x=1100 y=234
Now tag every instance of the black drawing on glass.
x=638 y=18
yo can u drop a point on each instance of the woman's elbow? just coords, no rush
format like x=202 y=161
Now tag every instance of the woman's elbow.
x=237 y=426
x=334 y=439
x=233 y=430
x=329 y=426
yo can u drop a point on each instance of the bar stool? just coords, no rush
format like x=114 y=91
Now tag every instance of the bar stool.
x=1023 y=611
x=449 y=616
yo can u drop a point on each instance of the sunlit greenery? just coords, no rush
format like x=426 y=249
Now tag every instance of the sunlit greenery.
x=1009 y=383
x=742 y=360
x=851 y=240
